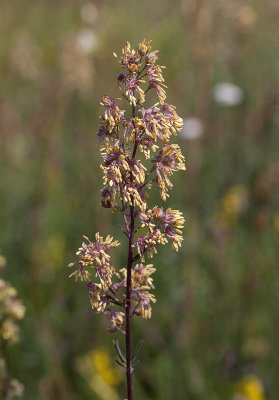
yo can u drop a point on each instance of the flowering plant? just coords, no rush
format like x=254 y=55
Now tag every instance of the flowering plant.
x=121 y=294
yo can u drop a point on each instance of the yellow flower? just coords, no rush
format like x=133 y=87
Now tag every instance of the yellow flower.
x=233 y=204
x=55 y=250
x=251 y=388
x=97 y=361
x=276 y=222
x=2 y=261
x=102 y=377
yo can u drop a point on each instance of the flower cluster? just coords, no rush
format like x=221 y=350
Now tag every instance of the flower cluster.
x=164 y=225
x=168 y=160
x=95 y=256
x=141 y=284
x=126 y=183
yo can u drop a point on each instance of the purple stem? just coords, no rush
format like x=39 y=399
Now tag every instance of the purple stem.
x=129 y=369
x=131 y=234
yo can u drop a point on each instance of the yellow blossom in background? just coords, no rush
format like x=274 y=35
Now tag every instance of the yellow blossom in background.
x=250 y=388
x=233 y=204
x=96 y=367
x=55 y=250
x=49 y=254
x=276 y=222
x=2 y=261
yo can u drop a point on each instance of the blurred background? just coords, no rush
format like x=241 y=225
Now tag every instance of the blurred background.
x=214 y=330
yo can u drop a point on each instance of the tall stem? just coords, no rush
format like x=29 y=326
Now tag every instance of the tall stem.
x=129 y=369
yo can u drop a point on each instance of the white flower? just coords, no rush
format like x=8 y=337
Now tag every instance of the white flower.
x=228 y=94
x=192 y=128
x=87 y=40
x=89 y=13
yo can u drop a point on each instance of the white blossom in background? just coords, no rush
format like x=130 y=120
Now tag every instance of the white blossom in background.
x=89 y=13
x=25 y=56
x=192 y=128
x=228 y=94
x=87 y=40
x=76 y=67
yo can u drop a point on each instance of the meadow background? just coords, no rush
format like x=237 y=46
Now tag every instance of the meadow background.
x=214 y=330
